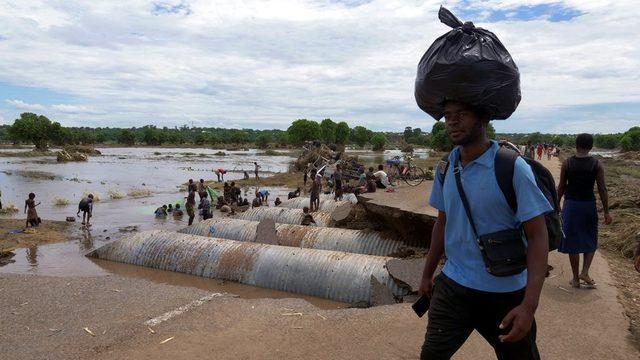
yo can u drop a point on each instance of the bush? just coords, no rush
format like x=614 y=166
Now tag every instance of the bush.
x=630 y=140
x=115 y=194
x=139 y=192
x=378 y=141
x=60 y=201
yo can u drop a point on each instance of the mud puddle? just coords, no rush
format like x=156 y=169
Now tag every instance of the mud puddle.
x=67 y=259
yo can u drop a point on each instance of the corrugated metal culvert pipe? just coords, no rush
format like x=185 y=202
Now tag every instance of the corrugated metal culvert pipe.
x=284 y=215
x=326 y=204
x=350 y=197
x=333 y=275
x=324 y=238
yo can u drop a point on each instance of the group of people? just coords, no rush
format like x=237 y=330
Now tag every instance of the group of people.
x=164 y=210
x=537 y=151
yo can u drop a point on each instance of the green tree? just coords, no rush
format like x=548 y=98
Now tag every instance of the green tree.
x=303 y=130
x=152 y=136
x=439 y=138
x=630 y=140
x=37 y=129
x=263 y=140
x=491 y=132
x=535 y=138
x=342 y=133
x=282 y=139
x=606 y=141
x=378 y=141
x=361 y=135
x=408 y=134
x=328 y=131
x=127 y=137
x=240 y=137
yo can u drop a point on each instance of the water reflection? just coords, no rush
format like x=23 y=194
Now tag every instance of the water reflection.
x=86 y=242
x=32 y=255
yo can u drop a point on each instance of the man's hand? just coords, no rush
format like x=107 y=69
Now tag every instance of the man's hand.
x=426 y=287
x=520 y=319
x=607 y=218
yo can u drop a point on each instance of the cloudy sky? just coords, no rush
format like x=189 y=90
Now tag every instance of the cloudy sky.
x=261 y=64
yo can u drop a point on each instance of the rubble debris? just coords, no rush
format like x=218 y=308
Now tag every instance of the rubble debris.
x=266 y=232
x=65 y=156
x=407 y=271
x=166 y=340
x=380 y=294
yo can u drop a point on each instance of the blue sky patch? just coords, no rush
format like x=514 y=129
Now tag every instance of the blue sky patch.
x=33 y=95
x=552 y=11
x=181 y=8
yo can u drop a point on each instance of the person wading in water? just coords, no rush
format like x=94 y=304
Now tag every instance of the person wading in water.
x=465 y=296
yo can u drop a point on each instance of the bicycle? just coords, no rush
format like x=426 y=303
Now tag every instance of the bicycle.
x=409 y=172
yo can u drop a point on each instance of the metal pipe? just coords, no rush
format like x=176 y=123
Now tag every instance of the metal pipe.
x=326 y=204
x=284 y=215
x=333 y=275
x=311 y=237
x=351 y=197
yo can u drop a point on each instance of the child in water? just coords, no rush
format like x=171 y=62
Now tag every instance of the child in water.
x=30 y=210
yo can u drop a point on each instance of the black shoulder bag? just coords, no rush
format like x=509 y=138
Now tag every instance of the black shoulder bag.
x=504 y=252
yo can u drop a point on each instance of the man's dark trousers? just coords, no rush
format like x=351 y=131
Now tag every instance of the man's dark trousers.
x=456 y=311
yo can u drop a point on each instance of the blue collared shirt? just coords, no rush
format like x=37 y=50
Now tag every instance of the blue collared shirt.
x=490 y=213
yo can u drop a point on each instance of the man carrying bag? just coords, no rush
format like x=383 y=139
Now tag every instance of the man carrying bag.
x=496 y=257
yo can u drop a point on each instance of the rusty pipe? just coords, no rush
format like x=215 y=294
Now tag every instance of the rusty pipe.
x=284 y=215
x=323 y=238
x=333 y=275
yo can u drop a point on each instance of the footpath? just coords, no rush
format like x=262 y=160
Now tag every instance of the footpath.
x=44 y=317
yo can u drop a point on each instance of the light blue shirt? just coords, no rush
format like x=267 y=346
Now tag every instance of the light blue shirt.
x=490 y=213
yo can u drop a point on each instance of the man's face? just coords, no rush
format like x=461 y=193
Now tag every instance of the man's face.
x=463 y=125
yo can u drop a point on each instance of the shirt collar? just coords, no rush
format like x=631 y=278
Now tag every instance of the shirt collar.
x=486 y=159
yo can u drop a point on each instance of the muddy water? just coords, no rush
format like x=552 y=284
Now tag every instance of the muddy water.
x=158 y=170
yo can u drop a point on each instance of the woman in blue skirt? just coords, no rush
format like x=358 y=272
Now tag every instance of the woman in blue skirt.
x=579 y=214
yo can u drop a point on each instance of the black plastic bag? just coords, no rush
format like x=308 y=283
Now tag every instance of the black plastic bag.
x=471 y=65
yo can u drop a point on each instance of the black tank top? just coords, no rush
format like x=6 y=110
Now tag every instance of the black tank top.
x=581 y=175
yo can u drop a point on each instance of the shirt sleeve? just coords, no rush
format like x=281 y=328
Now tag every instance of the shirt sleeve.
x=531 y=201
x=436 y=200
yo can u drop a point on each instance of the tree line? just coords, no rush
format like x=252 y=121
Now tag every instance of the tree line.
x=42 y=132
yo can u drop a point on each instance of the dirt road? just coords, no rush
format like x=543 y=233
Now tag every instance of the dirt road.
x=44 y=317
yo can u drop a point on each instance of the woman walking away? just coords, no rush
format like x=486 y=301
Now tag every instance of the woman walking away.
x=30 y=210
x=579 y=213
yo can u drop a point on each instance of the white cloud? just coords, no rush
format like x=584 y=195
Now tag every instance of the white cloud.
x=264 y=63
x=21 y=105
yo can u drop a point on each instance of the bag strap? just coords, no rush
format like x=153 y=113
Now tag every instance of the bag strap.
x=443 y=166
x=463 y=197
x=504 y=164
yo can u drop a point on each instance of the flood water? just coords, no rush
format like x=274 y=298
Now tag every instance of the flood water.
x=160 y=170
